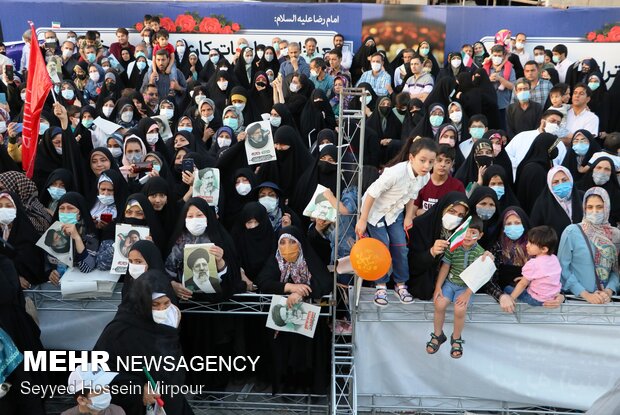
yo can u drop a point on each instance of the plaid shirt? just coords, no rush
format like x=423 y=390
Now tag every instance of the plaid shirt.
x=539 y=93
x=378 y=82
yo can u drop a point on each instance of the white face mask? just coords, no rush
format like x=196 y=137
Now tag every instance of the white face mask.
x=169 y=316
x=2 y=127
x=196 y=226
x=207 y=119
x=94 y=76
x=224 y=142
x=456 y=116
x=167 y=112
x=127 y=116
x=294 y=87
x=539 y=59
x=248 y=59
x=551 y=128
x=180 y=50
x=100 y=402
x=259 y=54
x=450 y=221
x=152 y=138
x=107 y=111
x=497 y=60
x=106 y=199
x=67 y=94
x=519 y=45
x=239 y=106
x=136 y=270
x=116 y=151
x=199 y=98
x=376 y=66
x=7 y=215
x=269 y=57
x=222 y=85
x=243 y=188
x=270 y=203
x=455 y=63
x=58 y=150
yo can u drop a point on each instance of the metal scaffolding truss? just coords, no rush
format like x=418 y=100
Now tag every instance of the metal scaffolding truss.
x=442 y=405
x=484 y=309
x=351 y=126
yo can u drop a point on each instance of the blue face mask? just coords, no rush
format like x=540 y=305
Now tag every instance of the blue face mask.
x=593 y=85
x=56 y=192
x=476 y=132
x=106 y=199
x=514 y=232
x=523 y=96
x=214 y=59
x=91 y=57
x=68 y=218
x=562 y=190
x=233 y=123
x=499 y=190
x=141 y=65
x=485 y=213
x=43 y=128
x=185 y=128
x=87 y=123
x=581 y=148
x=435 y=120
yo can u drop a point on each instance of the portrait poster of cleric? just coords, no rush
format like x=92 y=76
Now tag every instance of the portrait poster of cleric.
x=207 y=185
x=259 y=143
x=200 y=270
x=301 y=318
x=59 y=245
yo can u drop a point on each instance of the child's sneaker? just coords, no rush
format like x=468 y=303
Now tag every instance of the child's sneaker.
x=403 y=294
x=381 y=297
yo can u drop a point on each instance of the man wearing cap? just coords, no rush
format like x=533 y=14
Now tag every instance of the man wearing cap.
x=91 y=389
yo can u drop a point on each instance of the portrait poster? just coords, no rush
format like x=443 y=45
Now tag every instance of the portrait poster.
x=200 y=269
x=57 y=244
x=207 y=185
x=259 y=143
x=124 y=237
x=301 y=318
x=319 y=207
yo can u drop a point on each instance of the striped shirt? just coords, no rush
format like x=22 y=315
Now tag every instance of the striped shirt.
x=460 y=259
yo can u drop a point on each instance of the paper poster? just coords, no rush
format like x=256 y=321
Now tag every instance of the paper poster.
x=106 y=126
x=164 y=128
x=125 y=236
x=319 y=207
x=301 y=318
x=57 y=244
x=200 y=269
x=259 y=143
x=207 y=185
x=478 y=273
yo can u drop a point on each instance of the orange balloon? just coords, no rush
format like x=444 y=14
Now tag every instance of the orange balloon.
x=370 y=259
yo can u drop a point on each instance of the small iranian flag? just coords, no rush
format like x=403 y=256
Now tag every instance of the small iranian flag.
x=457 y=237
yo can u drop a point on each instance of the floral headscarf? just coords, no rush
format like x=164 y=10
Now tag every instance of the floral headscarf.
x=296 y=271
x=604 y=237
x=27 y=192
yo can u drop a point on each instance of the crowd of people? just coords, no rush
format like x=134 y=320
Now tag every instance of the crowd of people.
x=527 y=146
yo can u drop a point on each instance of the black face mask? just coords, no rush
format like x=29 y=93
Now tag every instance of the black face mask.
x=384 y=110
x=317 y=104
x=261 y=84
x=402 y=112
x=483 y=160
x=135 y=221
x=282 y=154
x=416 y=117
x=81 y=76
x=326 y=167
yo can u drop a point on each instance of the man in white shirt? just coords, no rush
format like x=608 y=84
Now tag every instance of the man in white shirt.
x=521 y=143
x=519 y=49
x=579 y=117
x=560 y=54
x=400 y=74
x=347 y=56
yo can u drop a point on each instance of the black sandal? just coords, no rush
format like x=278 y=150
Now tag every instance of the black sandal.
x=456 y=349
x=441 y=339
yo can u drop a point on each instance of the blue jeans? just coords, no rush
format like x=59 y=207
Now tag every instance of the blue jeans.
x=393 y=236
x=524 y=297
x=451 y=291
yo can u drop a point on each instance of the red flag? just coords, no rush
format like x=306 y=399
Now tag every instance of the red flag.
x=37 y=88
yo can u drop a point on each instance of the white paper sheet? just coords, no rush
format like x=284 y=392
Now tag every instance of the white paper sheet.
x=106 y=126
x=478 y=273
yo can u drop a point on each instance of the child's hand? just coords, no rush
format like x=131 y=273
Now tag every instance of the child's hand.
x=437 y=294
x=489 y=255
x=360 y=227
x=507 y=303
x=463 y=299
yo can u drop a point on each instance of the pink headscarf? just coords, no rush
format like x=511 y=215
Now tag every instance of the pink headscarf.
x=503 y=38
